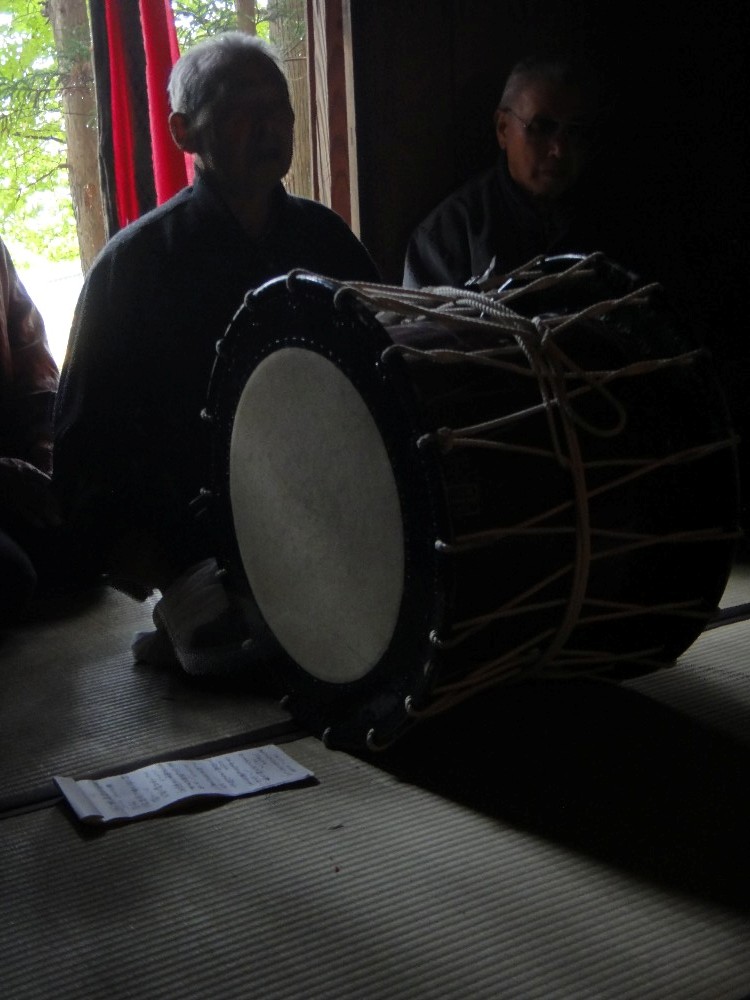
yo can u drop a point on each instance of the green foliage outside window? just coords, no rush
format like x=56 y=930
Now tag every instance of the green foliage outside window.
x=36 y=211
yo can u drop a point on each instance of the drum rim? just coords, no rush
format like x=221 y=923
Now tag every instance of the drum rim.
x=379 y=697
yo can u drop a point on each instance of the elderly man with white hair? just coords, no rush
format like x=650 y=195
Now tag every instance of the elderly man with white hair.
x=131 y=450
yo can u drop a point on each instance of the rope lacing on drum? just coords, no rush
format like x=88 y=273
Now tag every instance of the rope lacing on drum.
x=561 y=382
x=549 y=366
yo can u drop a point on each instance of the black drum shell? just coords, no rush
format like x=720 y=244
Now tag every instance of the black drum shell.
x=446 y=496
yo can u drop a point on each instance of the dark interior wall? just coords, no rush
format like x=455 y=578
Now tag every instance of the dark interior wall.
x=672 y=160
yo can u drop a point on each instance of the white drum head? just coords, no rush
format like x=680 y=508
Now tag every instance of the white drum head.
x=317 y=515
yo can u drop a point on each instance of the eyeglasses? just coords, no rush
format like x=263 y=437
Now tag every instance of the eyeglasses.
x=542 y=129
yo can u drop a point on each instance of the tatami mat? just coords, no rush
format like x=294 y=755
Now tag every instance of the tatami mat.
x=735 y=601
x=737 y=590
x=549 y=840
x=710 y=682
x=74 y=702
x=358 y=887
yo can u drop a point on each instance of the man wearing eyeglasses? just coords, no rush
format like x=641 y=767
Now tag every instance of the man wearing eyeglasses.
x=526 y=204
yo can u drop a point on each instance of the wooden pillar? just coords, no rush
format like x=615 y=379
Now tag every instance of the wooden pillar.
x=287 y=31
x=332 y=107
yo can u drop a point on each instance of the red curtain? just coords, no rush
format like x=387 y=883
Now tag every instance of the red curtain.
x=135 y=47
x=123 y=125
x=171 y=167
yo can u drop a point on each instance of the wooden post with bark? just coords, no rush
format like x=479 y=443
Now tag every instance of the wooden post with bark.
x=246 y=16
x=72 y=35
x=287 y=32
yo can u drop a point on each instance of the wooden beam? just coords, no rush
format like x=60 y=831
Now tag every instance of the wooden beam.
x=333 y=106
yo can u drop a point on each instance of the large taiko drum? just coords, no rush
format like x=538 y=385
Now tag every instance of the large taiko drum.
x=427 y=494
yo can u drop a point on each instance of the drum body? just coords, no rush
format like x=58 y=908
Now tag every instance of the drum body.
x=416 y=524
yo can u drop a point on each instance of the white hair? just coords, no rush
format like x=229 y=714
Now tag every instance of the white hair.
x=203 y=70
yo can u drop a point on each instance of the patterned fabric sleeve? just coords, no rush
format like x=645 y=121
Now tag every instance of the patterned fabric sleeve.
x=28 y=373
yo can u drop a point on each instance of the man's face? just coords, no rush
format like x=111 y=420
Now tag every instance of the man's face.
x=543 y=137
x=245 y=137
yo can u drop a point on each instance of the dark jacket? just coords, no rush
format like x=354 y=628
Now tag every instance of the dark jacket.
x=131 y=448
x=490 y=218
